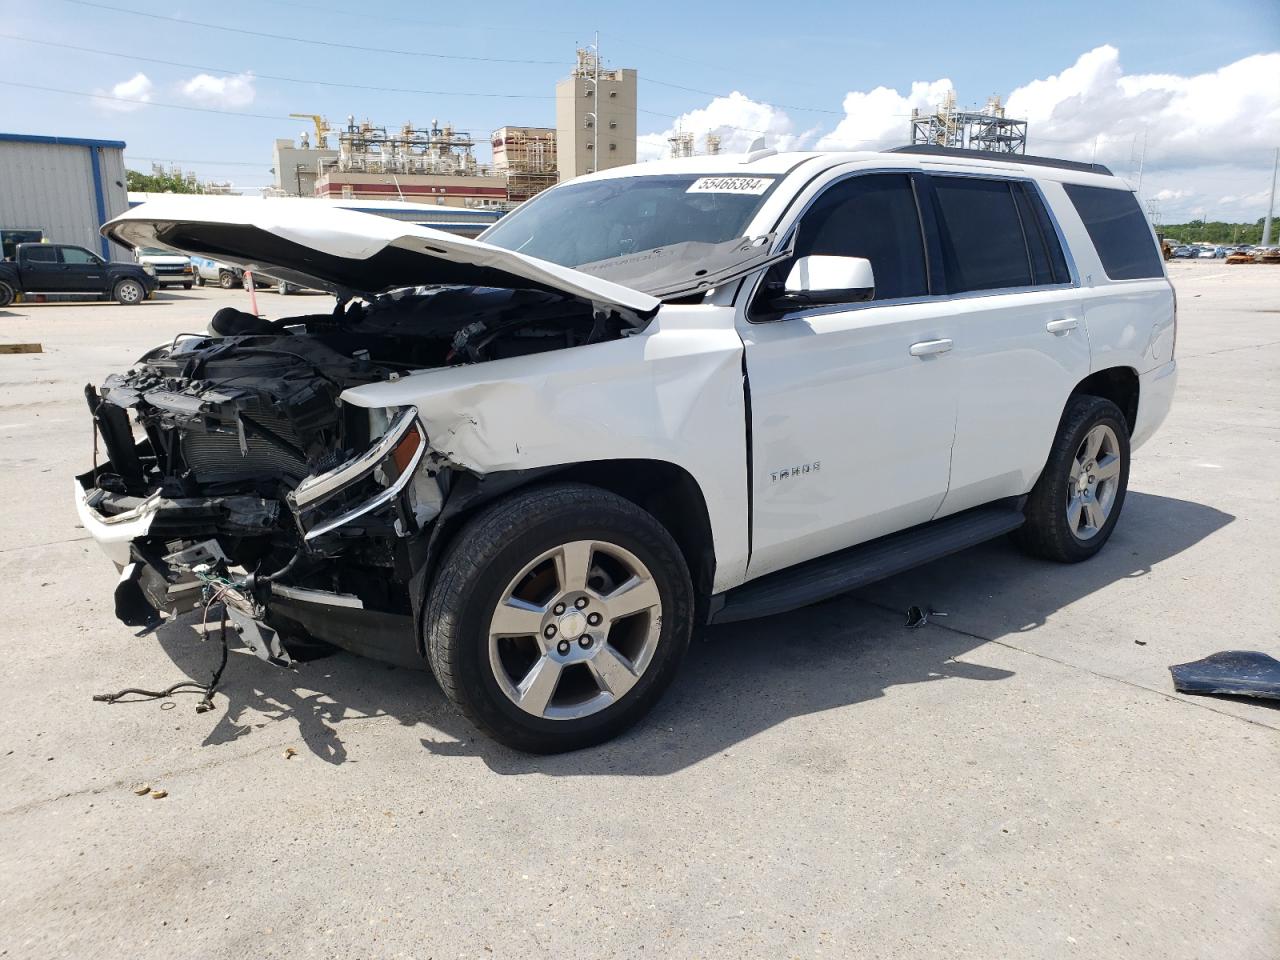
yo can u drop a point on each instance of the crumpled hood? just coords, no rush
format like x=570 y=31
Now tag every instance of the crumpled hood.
x=312 y=244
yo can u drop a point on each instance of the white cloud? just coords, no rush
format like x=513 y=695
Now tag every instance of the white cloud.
x=882 y=118
x=737 y=120
x=1209 y=137
x=136 y=89
x=221 y=92
x=1191 y=121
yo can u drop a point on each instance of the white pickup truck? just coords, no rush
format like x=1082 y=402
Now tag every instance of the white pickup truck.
x=657 y=397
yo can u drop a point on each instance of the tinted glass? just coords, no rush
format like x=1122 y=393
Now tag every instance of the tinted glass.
x=580 y=223
x=76 y=255
x=1047 y=262
x=40 y=255
x=1118 y=230
x=873 y=217
x=981 y=234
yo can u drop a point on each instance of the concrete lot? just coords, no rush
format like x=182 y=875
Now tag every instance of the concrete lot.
x=1018 y=779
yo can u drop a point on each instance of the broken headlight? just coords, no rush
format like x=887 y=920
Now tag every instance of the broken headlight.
x=372 y=479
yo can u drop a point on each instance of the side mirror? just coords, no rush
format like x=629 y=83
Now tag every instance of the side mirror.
x=818 y=280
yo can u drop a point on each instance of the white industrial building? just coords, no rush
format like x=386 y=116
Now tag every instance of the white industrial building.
x=60 y=189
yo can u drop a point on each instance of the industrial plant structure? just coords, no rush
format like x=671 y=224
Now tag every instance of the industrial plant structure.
x=988 y=129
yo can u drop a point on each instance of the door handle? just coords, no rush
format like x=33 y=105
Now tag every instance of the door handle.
x=1058 y=327
x=930 y=348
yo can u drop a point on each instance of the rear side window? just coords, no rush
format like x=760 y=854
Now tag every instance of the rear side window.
x=1119 y=231
x=40 y=255
x=76 y=255
x=874 y=217
x=1048 y=265
x=981 y=234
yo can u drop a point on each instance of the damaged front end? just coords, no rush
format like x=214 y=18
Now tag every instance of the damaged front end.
x=233 y=468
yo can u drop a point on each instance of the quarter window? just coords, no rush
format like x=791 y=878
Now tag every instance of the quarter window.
x=1047 y=262
x=1119 y=231
x=981 y=234
x=874 y=217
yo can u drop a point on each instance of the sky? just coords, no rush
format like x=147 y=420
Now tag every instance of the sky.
x=1184 y=95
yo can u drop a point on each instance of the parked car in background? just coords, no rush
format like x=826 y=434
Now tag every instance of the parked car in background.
x=59 y=268
x=1185 y=252
x=224 y=275
x=1212 y=252
x=686 y=392
x=170 y=269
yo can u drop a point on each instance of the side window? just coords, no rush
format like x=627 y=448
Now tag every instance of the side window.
x=875 y=217
x=1047 y=262
x=1118 y=230
x=981 y=234
x=40 y=254
x=77 y=255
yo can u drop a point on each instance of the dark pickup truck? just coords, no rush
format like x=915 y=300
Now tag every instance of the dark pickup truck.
x=59 y=268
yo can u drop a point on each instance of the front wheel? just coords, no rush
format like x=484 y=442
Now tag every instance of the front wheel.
x=1074 y=506
x=129 y=292
x=226 y=279
x=558 y=617
x=6 y=294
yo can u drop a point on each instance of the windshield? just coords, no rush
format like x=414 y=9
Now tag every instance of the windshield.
x=157 y=252
x=587 y=222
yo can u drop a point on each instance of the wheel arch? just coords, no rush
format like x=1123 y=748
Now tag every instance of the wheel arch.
x=665 y=489
x=1120 y=385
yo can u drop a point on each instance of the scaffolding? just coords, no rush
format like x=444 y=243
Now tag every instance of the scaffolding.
x=987 y=129
x=526 y=156
x=713 y=144
x=681 y=144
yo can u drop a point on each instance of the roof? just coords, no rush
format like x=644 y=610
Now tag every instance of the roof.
x=60 y=141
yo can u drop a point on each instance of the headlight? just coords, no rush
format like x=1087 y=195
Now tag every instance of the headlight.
x=149 y=269
x=367 y=481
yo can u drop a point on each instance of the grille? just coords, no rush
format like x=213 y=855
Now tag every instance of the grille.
x=216 y=457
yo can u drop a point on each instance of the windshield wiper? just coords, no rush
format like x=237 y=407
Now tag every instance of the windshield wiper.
x=682 y=269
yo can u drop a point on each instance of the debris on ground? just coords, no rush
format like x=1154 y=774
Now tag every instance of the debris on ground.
x=143 y=791
x=1241 y=673
x=159 y=794
x=918 y=617
x=290 y=753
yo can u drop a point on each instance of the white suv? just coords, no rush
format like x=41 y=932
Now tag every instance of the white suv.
x=658 y=397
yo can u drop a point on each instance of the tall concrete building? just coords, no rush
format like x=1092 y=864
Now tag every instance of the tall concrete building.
x=297 y=166
x=595 y=113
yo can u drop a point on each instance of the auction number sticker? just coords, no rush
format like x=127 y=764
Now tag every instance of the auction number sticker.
x=753 y=185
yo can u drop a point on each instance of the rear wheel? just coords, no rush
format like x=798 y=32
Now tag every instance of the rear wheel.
x=558 y=617
x=1074 y=506
x=129 y=292
x=6 y=294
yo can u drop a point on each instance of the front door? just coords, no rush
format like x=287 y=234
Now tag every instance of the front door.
x=851 y=429
x=82 y=271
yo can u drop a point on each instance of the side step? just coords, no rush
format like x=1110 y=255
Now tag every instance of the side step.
x=837 y=573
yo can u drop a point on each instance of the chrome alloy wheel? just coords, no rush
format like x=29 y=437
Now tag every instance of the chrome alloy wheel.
x=1093 y=483
x=129 y=291
x=575 y=630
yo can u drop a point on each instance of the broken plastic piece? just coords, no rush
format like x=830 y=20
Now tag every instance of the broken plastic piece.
x=1241 y=673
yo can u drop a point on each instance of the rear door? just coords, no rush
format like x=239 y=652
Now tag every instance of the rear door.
x=1021 y=344
x=850 y=432
x=41 y=269
x=82 y=271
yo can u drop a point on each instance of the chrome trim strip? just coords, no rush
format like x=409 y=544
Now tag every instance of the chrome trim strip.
x=387 y=495
x=306 y=595
x=322 y=485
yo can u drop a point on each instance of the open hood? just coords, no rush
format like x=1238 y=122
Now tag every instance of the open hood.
x=312 y=244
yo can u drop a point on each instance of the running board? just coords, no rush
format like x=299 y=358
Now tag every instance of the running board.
x=837 y=573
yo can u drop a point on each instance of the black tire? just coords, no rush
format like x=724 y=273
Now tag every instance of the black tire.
x=198 y=280
x=1047 y=532
x=186 y=286
x=226 y=279
x=6 y=294
x=482 y=561
x=128 y=292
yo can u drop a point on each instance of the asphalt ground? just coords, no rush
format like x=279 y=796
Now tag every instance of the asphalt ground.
x=1015 y=779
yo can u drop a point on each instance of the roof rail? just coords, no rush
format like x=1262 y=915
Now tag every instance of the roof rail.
x=936 y=151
